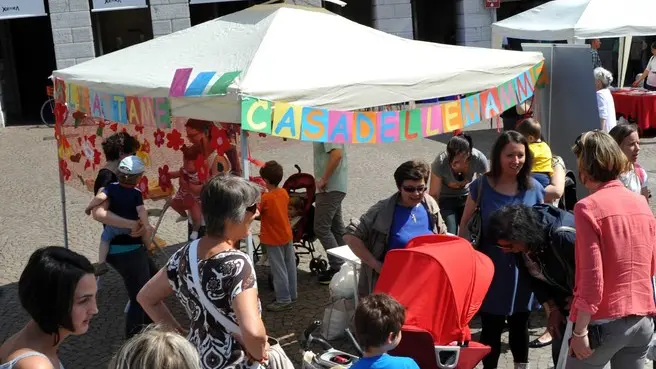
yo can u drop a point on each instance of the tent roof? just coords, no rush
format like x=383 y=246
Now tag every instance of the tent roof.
x=581 y=19
x=304 y=56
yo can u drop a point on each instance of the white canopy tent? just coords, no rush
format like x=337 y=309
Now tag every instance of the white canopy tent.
x=578 y=20
x=300 y=55
x=304 y=56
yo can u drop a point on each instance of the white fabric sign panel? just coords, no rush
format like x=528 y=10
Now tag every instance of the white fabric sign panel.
x=210 y=1
x=104 y=5
x=21 y=9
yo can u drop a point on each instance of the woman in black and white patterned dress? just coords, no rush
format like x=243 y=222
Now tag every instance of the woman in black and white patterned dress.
x=227 y=279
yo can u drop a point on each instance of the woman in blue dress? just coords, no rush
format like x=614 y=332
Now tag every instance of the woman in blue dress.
x=509 y=297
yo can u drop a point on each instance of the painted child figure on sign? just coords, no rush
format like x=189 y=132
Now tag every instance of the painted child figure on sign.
x=187 y=198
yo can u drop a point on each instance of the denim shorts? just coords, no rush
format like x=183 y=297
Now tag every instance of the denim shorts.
x=110 y=232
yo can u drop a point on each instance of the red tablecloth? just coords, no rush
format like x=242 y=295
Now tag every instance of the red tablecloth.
x=637 y=104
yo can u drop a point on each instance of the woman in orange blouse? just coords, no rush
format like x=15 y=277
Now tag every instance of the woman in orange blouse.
x=616 y=234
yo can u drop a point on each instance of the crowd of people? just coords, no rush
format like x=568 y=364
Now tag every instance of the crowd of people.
x=600 y=279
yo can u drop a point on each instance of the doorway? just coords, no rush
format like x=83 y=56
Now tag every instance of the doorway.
x=28 y=59
x=117 y=29
x=201 y=13
x=434 y=21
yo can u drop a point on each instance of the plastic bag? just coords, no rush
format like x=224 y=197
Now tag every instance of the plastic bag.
x=342 y=286
x=336 y=318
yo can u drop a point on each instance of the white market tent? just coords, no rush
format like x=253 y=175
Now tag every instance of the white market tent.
x=578 y=20
x=300 y=55
x=304 y=56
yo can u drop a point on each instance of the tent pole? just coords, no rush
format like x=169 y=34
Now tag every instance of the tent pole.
x=245 y=165
x=62 y=196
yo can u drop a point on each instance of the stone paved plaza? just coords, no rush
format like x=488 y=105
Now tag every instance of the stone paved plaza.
x=31 y=217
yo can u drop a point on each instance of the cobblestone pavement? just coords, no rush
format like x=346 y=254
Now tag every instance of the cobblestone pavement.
x=30 y=217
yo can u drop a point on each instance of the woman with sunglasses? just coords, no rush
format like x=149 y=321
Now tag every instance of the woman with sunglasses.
x=451 y=173
x=543 y=237
x=225 y=278
x=509 y=296
x=615 y=256
x=392 y=222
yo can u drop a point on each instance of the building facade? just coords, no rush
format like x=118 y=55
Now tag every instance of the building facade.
x=39 y=36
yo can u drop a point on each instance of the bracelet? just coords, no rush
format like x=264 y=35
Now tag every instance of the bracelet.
x=580 y=335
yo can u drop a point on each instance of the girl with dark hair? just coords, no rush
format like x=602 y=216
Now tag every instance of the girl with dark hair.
x=509 y=296
x=451 y=173
x=626 y=135
x=58 y=290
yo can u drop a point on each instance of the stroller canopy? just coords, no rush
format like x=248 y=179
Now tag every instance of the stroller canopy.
x=441 y=280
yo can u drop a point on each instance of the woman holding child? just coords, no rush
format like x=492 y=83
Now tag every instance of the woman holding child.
x=451 y=173
x=509 y=296
x=127 y=252
x=392 y=222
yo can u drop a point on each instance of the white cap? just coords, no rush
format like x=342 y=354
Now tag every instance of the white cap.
x=131 y=165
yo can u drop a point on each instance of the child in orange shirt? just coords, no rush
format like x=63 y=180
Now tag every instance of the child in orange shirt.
x=276 y=237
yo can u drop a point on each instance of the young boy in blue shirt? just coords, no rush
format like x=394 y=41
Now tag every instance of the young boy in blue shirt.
x=378 y=321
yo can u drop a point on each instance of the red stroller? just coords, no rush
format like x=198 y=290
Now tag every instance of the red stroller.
x=442 y=281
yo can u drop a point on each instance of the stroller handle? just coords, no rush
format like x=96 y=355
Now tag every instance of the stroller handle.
x=298 y=168
x=310 y=339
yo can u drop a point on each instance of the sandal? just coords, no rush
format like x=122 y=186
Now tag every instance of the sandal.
x=540 y=342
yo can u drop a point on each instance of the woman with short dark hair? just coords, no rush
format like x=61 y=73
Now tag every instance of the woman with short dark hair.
x=226 y=278
x=509 y=296
x=58 y=290
x=393 y=222
x=451 y=173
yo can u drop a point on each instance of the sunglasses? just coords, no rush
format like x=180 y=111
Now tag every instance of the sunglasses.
x=252 y=208
x=504 y=247
x=412 y=189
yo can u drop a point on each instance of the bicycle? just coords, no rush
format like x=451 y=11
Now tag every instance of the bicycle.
x=48 y=109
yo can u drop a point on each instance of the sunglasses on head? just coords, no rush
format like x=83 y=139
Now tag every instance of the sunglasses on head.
x=412 y=189
x=252 y=208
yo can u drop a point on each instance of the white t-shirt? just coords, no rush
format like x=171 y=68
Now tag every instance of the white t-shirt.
x=606 y=107
x=631 y=180
x=651 y=67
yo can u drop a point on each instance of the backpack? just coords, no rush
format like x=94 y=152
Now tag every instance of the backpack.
x=569 y=198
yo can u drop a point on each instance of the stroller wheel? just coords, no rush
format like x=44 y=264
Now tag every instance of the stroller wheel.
x=318 y=266
x=270 y=280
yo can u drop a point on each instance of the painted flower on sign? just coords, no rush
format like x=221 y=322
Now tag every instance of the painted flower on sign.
x=113 y=127
x=175 y=140
x=164 y=178
x=60 y=113
x=63 y=169
x=143 y=187
x=139 y=128
x=220 y=140
x=159 y=137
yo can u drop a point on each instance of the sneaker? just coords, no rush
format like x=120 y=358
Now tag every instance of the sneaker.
x=279 y=306
x=100 y=269
x=327 y=276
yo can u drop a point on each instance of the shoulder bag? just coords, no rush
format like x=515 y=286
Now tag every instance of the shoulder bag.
x=475 y=224
x=277 y=358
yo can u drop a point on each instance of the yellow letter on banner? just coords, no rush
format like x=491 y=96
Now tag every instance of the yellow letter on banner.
x=452 y=116
x=287 y=120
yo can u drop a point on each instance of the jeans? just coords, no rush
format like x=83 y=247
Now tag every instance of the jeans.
x=135 y=268
x=328 y=223
x=283 y=269
x=624 y=343
x=518 y=336
x=451 y=209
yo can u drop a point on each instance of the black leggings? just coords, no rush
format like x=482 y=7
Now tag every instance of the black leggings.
x=491 y=335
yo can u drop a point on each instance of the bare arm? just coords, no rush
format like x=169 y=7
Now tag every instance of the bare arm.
x=253 y=333
x=643 y=77
x=151 y=298
x=334 y=158
x=435 y=186
x=143 y=218
x=360 y=250
x=97 y=200
x=554 y=191
x=470 y=206
x=645 y=192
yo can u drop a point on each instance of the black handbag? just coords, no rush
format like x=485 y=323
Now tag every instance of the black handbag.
x=475 y=224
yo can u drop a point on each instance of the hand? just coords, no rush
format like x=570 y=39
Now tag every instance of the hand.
x=87 y=211
x=138 y=230
x=321 y=184
x=556 y=319
x=635 y=84
x=378 y=267
x=580 y=346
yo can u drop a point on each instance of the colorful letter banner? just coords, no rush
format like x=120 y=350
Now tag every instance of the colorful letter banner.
x=199 y=84
x=320 y=125
x=137 y=110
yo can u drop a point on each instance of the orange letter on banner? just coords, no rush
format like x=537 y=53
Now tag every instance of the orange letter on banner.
x=364 y=127
x=134 y=110
x=452 y=115
x=84 y=100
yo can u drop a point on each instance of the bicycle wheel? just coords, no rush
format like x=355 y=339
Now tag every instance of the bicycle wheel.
x=48 y=113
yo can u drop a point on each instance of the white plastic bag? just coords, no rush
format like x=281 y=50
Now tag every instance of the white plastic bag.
x=342 y=286
x=336 y=318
